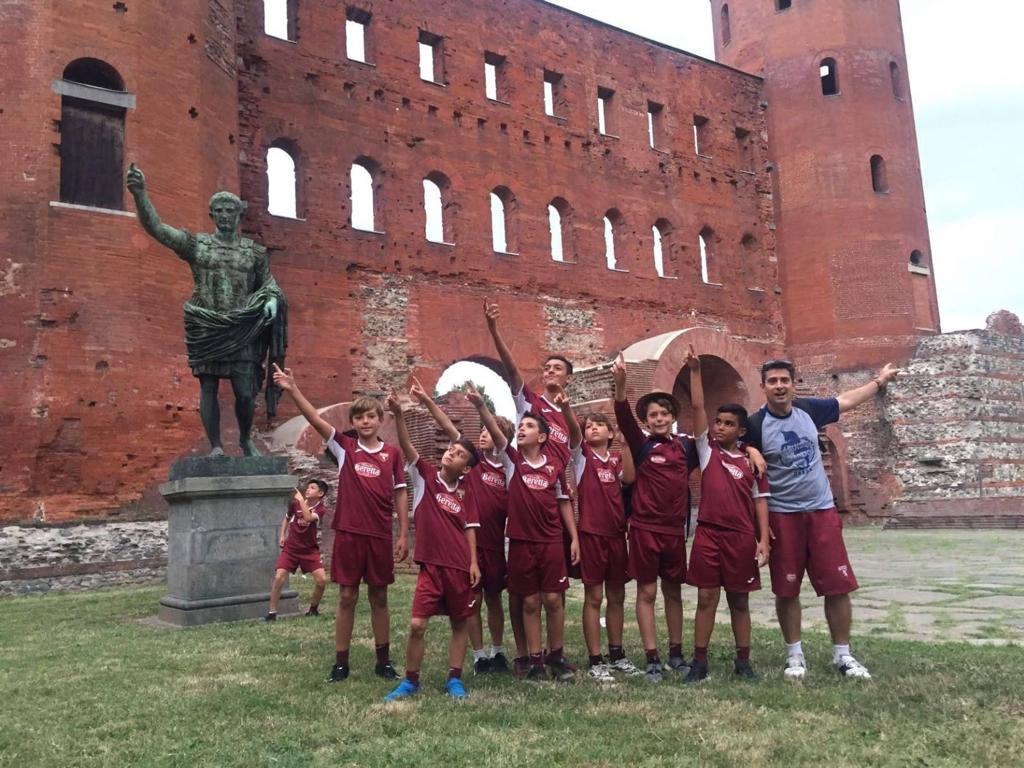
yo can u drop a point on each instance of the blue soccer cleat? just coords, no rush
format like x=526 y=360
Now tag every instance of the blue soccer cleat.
x=455 y=688
x=403 y=690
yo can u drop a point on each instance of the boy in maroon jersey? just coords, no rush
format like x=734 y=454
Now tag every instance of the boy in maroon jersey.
x=370 y=478
x=537 y=512
x=299 y=545
x=556 y=376
x=604 y=563
x=446 y=526
x=732 y=540
x=490 y=495
x=657 y=527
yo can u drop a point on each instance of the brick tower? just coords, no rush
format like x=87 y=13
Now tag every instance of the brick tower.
x=855 y=262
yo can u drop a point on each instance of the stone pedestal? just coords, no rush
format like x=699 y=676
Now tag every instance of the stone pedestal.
x=222 y=538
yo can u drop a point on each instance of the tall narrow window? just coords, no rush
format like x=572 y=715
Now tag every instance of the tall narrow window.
x=879 y=178
x=495 y=82
x=431 y=57
x=726 y=31
x=655 y=124
x=664 y=260
x=279 y=19
x=282 y=195
x=605 y=111
x=560 y=225
x=897 y=80
x=783 y=5
x=437 y=208
x=612 y=225
x=554 y=94
x=706 y=239
x=503 y=233
x=364 y=214
x=357 y=24
x=701 y=142
x=93 y=104
x=829 y=72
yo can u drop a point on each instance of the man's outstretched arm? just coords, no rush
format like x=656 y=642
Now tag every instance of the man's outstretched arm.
x=854 y=397
x=515 y=379
x=166 y=235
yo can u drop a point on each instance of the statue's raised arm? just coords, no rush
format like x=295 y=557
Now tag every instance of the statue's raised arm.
x=177 y=240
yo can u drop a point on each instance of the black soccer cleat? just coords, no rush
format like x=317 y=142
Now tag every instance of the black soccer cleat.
x=386 y=670
x=743 y=669
x=482 y=667
x=562 y=672
x=339 y=672
x=698 y=671
x=499 y=664
x=271 y=616
x=536 y=673
x=314 y=610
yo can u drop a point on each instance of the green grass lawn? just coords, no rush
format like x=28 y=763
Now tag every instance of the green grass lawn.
x=84 y=682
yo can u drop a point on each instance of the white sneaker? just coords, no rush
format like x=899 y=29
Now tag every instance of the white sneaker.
x=847 y=666
x=601 y=674
x=796 y=667
x=625 y=666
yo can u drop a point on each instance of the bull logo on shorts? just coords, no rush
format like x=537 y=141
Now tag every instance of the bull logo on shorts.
x=448 y=504
x=845 y=570
x=366 y=469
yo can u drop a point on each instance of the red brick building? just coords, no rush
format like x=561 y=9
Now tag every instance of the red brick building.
x=782 y=184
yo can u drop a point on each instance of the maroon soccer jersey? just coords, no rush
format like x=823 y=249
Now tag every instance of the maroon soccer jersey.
x=727 y=487
x=599 y=490
x=489 y=491
x=533 y=494
x=558 y=437
x=661 y=493
x=301 y=536
x=442 y=513
x=367 y=480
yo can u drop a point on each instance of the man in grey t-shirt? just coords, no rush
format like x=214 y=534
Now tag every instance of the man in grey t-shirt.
x=805 y=525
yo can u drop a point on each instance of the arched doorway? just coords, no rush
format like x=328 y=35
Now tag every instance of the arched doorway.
x=722 y=384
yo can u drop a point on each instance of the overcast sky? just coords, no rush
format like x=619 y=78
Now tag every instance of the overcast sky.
x=968 y=90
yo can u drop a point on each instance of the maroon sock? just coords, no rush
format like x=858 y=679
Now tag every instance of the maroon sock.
x=413 y=676
x=700 y=653
x=652 y=656
x=536 y=659
x=743 y=652
x=521 y=662
x=454 y=673
x=341 y=658
x=383 y=653
x=598 y=659
x=554 y=656
x=675 y=650
x=615 y=652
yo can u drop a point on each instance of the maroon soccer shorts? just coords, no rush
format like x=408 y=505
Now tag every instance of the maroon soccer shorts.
x=493 y=570
x=357 y=558
x=603 y=559
x=443 y=591
x=289 y=560
x=572 y=571
x=657 y=555
x=811 y=541
x=535 y=566
x=720 y=557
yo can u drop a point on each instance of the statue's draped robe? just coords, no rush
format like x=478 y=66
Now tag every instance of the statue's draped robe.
x=227 y=332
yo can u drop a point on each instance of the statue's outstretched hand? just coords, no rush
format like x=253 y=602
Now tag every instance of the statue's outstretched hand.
x=136 y=180
x=284 y=379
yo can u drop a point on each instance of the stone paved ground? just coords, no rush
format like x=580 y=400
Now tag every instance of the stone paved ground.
x=920 y=585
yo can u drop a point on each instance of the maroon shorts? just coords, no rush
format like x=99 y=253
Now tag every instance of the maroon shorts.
x=357 y=558
x=603 y=559
x=289 y=560
x=536 y=566
x=442 y=591
x=811 y=541
x=720 y=557
x=572 y=571
x=493 y=570
x=657 y=555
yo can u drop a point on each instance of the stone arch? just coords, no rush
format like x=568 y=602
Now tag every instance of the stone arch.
x=722 y=384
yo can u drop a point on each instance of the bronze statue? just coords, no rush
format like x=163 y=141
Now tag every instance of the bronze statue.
x=236 y=318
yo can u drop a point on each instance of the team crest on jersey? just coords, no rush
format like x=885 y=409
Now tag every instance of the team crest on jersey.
x=493 y=479
x=448 y=504
x=606 y=475
x=366 y=469
x=658 y=458
x=536 y=482
x=733 y=470
x=461 y=493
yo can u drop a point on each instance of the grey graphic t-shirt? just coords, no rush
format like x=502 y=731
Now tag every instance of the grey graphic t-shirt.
x=796 y=474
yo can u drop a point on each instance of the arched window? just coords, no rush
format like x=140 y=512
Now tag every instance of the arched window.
x=707 y=264
x=726 y=31
x=879 y=178
x=829 y=72
x=93 y=105
x=437 y=207
x=897 y=80
x=483 y=372
x=282 y=189
x=612 y=235
x=364 y=203
x=503 y=205
x=279 y=19
x=664 y=260
x=560 y=225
